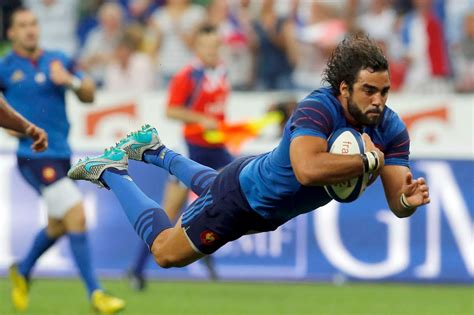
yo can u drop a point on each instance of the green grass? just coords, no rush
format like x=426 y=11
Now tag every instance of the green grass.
x=66 y=297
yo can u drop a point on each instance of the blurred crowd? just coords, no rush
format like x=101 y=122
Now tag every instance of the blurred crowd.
x=266 y=44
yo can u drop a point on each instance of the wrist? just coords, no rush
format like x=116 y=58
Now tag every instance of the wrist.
x=404 y=203
x=370 y=161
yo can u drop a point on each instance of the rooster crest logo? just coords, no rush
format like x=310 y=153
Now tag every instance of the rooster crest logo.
x=49 y=174
x=208 y=237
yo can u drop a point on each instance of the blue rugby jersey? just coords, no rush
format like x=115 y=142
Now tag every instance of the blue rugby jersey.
x=27 y=86
x=269 y=183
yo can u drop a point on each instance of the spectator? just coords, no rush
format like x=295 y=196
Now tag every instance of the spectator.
x=174 y=23
x=235 y=29
x=426 y=55
x=102 y=41
x=464 y=61
x=272 y=64
x=58 y=20
x=141 y=10
x=130 y=69
x=313 y=42
x=382 y=16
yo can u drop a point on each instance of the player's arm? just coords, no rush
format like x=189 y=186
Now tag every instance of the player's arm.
x=185 y=115
x=84 y=89
x=404 y=194
x=83 y=86
x=314 y=166
x=12 y=120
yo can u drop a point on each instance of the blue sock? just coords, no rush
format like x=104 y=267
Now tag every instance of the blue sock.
x=81 y=253
x=145 y=214
x=195 y=176
x=40 y=245
x=140 y=263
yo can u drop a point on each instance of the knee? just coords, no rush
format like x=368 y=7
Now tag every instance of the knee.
x=55 y=229
x=75 y=219
x=166 y=259
x=169 y=261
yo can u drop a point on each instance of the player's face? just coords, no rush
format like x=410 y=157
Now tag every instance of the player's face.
x=207 y=49
x=24 y=31
x=369 y=93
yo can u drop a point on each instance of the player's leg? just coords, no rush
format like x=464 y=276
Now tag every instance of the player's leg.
x=144 y=214
x=174 y=198
x=216 y=158
x=38 y=173
x=75 y=224
x=64 y=203
x=145 y=145
x=20 y=273
x=44 y=239
x=215 y=218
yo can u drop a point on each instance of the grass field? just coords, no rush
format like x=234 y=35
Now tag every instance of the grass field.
x=66 y=297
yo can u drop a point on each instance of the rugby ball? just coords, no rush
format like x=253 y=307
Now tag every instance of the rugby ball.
x=347 y=141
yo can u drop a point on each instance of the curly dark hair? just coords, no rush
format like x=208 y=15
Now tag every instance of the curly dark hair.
x=354 y=53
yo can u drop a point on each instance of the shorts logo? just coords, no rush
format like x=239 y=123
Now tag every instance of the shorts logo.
x=49 y=174
x=208 y=237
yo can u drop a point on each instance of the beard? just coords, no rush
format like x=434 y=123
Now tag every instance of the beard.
x=362 y=117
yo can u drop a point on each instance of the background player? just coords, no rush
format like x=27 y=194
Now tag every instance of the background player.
x=260 y=193
x=29 y=74
x=197 y=97
x=12 y=120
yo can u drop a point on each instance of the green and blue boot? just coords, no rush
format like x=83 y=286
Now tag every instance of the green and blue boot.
x=91 y=168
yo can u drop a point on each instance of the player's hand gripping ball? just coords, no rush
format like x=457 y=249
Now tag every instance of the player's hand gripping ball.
x=347 y=141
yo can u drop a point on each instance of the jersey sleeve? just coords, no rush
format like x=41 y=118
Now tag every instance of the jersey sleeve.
x=311 y=118
x=179 y=90
x=397 y=150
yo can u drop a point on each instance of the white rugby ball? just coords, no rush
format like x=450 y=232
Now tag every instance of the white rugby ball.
x=347 y=141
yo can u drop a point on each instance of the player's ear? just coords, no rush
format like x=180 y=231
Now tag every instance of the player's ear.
x=344 y=89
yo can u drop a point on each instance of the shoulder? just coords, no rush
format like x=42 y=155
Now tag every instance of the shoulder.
x=391 y=123
x=185 y=72
x=321 y=100
x=55 y=54
x=7 y=59
x=391 y=130
x=7 y=64
x=316 y=114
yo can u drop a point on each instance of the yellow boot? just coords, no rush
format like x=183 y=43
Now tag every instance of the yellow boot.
x=19 y=287
x=106 y=304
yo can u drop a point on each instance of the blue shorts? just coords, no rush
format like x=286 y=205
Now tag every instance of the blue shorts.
x=222 y=214
x=215 y=158
x=43 y=172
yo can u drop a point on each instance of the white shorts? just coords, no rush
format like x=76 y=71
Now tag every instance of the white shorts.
x=60 y=197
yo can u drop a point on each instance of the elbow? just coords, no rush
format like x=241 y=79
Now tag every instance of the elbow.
x=306 y=178
x=87 y=98
x=303 y=180
x=404 y=213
